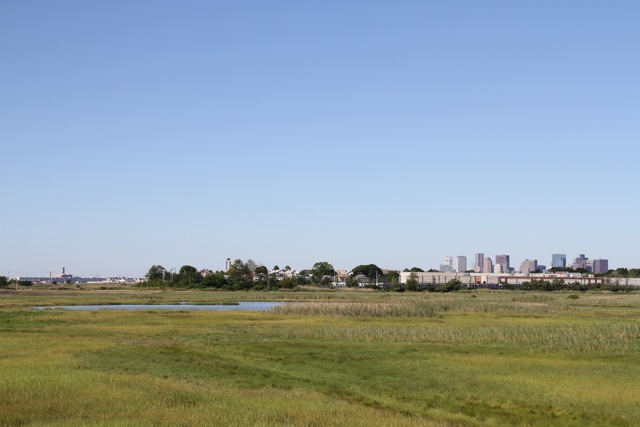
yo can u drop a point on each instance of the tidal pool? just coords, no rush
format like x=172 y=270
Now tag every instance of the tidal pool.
x=182 y=306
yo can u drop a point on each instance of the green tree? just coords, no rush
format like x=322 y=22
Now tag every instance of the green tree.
x=412 y=281
x=372 y=271
x=305 y=273
x=351 y=282
x=621 y=272
x=261 y=270
x=634 y=272
x=451 y=285
x=325 y=282
x=216 y=280
x=156 y=272
x=321 y=269
x=251 y=265
x=240 y=274
x=261 y=275
x=392 y=278
x=189 y=276
x=4 y=282
x=292 y=282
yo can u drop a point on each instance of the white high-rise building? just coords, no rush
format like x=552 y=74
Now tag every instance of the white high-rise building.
x=461 y=264
x=447 y=266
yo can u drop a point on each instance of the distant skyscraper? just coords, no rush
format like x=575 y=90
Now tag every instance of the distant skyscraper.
x=447 y=266
x=600 y=265
x=559 y=260
x=503 y=260
x=478 y=262
x=461 y=264
x=580 y=262
x=528 y=266
x=487 y=265
x=589 y=265
x=597 y=265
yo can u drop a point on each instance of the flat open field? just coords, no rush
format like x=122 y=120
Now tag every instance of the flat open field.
x=339 y=359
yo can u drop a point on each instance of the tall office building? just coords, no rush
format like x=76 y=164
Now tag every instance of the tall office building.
x=461 y=264
x=589 y=265
x=580 y=262
x=503 y=260
x=528 y=266
x=447 y=266
x=559 y=260
x=600 y=265
x=478 y=262
x=487 y=265
x=597 y=265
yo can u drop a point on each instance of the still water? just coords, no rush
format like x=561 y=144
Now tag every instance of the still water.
x=182 y=306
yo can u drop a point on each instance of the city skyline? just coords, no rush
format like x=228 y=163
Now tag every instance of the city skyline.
x=136 y=134
x=451 y=264
x=598 y=265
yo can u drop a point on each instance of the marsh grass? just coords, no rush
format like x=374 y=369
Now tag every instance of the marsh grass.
x=571 y=339
x=421 y=306
x=515 y=307
x=415 y=307
x=480 y=359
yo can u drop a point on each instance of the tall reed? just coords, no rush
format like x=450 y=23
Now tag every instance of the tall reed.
x=572 y=338
x=413 y=307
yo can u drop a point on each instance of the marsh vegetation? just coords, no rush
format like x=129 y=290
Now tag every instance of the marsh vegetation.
x=333 y=358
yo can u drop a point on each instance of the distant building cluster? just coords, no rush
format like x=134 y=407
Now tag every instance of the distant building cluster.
x=66 y=278
x=501 y=264
x=498 y=271
x=497 y=280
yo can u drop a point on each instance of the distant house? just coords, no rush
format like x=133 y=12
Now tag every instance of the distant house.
x=362 y=280
x=281 y=274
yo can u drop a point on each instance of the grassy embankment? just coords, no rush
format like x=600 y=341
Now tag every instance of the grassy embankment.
x=344 y=358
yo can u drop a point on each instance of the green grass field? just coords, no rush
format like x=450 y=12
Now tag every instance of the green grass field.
x=332 y=359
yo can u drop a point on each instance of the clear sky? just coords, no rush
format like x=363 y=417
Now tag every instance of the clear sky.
x=135 y=133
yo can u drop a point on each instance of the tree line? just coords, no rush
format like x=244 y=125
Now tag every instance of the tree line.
x=240 y=276
x=244 y=275
x=251 y=276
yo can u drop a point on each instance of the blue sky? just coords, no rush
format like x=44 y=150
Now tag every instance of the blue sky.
x=135 y=133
